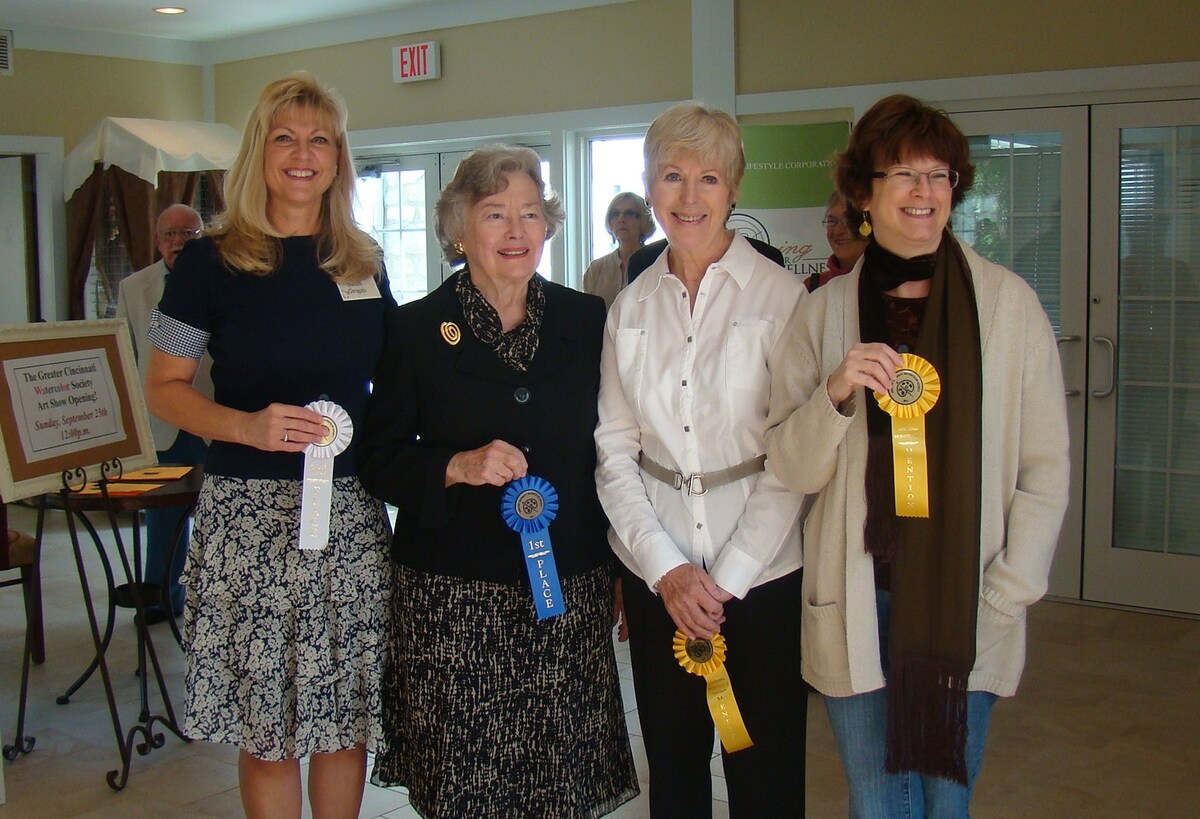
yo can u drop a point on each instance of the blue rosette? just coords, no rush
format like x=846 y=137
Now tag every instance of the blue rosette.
x=528 y=506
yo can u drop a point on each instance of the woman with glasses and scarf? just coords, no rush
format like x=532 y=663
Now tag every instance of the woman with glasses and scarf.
x=629 y=223
x=915 y=590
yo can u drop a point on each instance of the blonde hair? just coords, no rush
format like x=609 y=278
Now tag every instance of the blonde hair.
x=481 y=174
x=696 y=128
x=244 y=236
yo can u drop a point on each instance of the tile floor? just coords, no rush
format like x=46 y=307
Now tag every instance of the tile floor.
x=1106 y=724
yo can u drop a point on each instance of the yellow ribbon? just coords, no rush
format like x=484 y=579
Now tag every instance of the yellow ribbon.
x=706 y=658
x=913 y=392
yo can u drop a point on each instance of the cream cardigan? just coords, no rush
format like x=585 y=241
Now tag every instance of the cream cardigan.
x=815 y=449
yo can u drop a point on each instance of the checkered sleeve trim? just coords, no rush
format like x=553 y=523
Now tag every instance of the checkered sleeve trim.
x=176 y=338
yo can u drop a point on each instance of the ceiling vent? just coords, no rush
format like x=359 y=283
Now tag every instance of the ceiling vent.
x=5 y=52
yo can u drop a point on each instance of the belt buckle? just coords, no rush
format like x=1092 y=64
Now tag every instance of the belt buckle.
x=695 y=485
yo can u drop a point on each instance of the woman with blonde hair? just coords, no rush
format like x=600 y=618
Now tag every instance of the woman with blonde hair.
x=708 y=538
x=284 y=624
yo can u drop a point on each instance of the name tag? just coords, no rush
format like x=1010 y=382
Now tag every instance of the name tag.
x=357 y=291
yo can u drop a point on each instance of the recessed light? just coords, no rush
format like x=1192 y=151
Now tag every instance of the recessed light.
x=171 y=10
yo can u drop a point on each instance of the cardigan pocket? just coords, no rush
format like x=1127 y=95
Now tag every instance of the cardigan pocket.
x=823 y=640
x=993 y=628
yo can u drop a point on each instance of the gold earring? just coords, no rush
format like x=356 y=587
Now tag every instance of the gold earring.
x=864 y=230
x=459 y=249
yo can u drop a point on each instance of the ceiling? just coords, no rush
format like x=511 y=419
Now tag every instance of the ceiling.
x=217 y=31
x=204 y=20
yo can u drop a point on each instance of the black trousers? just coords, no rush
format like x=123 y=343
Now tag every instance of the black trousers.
x=763 y=636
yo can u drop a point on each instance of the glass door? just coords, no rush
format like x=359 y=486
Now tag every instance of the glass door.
x=1142 y=543
x=1027 y=211
x=395 y=205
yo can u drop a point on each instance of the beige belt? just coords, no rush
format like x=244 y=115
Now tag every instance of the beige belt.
x=700 y=484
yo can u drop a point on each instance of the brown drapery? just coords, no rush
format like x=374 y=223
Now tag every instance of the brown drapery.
x=136 y=205
x=83 y=217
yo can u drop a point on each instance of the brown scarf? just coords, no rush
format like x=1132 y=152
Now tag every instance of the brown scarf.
x=518 y=346
x=934 y=560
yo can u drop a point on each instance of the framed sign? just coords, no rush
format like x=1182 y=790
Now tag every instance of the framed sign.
x=70 y=397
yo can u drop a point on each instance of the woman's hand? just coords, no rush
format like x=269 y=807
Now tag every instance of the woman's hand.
x=496 y=463
x=618 y=619
x=282 y=428
x=871 y=365
x=693 y=600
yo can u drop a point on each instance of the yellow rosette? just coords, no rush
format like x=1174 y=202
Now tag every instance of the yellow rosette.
x=705 y=657
x=914 y=391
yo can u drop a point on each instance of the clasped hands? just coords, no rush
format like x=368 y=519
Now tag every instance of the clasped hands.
x=694 y=600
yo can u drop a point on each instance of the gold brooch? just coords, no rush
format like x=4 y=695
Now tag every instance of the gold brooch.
x=450 y=333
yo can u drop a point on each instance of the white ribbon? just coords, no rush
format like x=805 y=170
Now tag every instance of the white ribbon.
x=316 y=493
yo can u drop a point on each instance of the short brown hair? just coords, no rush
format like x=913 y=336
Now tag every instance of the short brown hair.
x=896 y=128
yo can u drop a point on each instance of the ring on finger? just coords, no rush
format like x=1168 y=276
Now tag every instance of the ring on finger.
x=285 y=437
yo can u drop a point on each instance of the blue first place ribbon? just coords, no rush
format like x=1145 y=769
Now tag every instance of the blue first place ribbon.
x=528 y=506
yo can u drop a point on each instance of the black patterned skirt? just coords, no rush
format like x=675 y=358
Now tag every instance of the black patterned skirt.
x=285 y=648
x=490 y=713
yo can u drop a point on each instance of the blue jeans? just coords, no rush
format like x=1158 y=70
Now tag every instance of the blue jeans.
x=163 y=524
x=860 y=728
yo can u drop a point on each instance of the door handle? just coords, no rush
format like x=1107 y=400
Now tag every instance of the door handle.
x=1060 y=341
x=1112 y=366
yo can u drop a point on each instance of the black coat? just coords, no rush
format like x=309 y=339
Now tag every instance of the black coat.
x=433 y=398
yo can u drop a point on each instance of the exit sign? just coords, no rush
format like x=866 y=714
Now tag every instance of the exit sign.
x=418 y=61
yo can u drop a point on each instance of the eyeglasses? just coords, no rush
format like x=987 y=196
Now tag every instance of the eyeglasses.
x=628 y=213
x=830 y=223
x=903 y=177
x=180 y=233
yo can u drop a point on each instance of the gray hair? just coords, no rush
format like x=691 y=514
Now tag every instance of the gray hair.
x=480 y=175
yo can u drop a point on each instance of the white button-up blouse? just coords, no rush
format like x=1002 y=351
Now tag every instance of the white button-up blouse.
x=691 y=388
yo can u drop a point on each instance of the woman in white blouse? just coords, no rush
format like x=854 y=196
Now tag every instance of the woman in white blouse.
x=708 y=538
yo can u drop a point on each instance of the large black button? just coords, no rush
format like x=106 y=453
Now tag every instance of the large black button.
x=521 y=394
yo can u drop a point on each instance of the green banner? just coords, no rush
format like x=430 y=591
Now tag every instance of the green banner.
x=790 y=166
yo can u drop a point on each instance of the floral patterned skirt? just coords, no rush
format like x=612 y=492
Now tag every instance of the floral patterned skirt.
x=285 y=648
x=490 y=712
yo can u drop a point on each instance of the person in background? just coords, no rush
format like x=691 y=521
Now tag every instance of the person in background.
x=708 y=537
x=489 y=710
x=629 y=223
x=842 y=224
x=137 y=297
x=285 y=646
x=914 y=624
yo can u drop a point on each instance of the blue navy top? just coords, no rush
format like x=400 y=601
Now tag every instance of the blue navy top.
x=288 y=337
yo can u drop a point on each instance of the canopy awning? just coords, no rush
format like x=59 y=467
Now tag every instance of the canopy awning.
x=143 y=147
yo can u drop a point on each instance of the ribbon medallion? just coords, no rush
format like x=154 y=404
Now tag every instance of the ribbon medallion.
x=705 y=657
x=914 y=391
x=316 y=493
x=528 y=506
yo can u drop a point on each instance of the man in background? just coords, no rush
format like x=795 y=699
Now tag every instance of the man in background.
x=138 y=295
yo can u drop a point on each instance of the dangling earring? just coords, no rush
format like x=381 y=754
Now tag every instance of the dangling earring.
x=864 y=230
x=459 y=249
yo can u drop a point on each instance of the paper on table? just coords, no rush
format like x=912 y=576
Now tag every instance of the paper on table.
x=157 y=473
x=118 y=489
